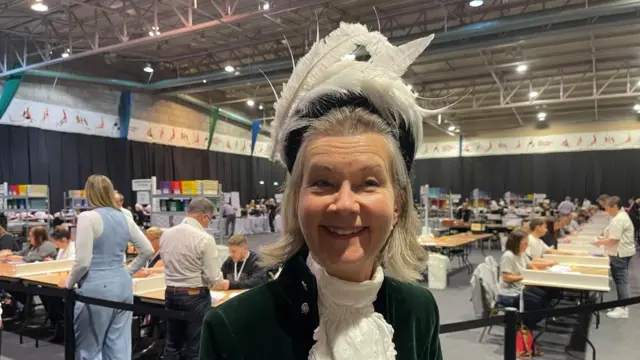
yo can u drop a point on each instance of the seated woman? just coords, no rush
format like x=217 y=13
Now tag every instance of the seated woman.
x=54 y=306
x=155 y=265
x=39 y=249
x=510 y=288
x=241 y=270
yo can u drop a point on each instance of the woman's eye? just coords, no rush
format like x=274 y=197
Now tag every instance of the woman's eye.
x=370 y=183
x=321 y=183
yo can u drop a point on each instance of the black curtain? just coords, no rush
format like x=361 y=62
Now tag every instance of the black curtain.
x=584 y=174
x=64 y=161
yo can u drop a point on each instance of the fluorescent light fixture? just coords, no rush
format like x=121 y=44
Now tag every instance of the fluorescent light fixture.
x=457 y=130
x=476 y=3
x=451 y=128
x=237 y=73
x=533 y=94
x=261 y=107
x=522 y=68
x=261 y=182
x=250 y=102
x=266 y=6
x=148 y=68
x=39 y=6
x=229 y=68
x=636 y=107
x=542 y=116
x=65 y=54
x=275 y=183
x=349 y=57
x=204 y=81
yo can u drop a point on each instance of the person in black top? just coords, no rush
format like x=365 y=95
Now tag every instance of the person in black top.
x=7 y=241
x=271 y=209
x=464 y=213
x=241 y=269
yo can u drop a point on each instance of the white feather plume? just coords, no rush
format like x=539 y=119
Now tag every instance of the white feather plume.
x=323 y=70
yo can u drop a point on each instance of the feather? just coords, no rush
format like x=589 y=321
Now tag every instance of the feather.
x=324 y=71
x=293 y=61
x=275 y=93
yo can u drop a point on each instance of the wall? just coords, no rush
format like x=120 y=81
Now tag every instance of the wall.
x=102 y=99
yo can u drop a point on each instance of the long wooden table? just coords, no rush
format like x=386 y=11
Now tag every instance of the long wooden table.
x=157 y=296
x=447 y=244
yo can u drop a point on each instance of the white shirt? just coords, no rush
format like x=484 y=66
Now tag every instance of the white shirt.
x=536 y=248
x=621 y=229
x=127 y=212
x=90 y=228
x=68 y=253
x=190 y=256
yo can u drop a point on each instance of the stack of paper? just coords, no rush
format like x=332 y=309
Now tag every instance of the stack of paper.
x=560 y=268
x=217 y=296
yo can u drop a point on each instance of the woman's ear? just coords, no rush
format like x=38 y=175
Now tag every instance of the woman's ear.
x=396 y=209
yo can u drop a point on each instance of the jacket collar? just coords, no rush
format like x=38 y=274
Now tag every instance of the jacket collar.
x=300 y=289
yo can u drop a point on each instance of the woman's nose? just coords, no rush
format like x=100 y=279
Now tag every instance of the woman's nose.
x=346 y=199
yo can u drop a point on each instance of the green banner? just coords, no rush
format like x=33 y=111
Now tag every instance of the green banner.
x=213 y=119
x=9 y=91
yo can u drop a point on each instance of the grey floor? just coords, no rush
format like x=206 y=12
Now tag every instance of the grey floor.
x=614 y=340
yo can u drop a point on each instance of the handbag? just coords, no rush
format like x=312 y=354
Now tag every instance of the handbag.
x=525 y=348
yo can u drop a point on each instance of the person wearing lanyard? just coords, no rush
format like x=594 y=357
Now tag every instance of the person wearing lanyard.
x=241 y=269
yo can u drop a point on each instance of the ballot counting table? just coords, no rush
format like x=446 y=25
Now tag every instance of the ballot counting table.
x=459 y=245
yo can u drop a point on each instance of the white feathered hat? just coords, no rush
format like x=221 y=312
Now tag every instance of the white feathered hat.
x=326 y=79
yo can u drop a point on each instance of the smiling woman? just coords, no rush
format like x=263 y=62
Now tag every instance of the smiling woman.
x=347 y=131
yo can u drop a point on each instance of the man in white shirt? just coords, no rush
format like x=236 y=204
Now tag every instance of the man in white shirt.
x=537 y=248
x=191 y=268
x=566 y=207
x=620 y=246
x=120 y=202
x=229 y=214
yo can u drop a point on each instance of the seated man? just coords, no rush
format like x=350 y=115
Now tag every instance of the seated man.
x=241 y=269
x=537 y=248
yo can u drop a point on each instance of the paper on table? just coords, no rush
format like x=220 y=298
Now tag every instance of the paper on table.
x=597 y=252
x=217 y=296
x=233 y=295
x=560 y=268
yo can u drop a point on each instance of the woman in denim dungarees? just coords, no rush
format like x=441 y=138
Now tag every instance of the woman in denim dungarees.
x=101 y=241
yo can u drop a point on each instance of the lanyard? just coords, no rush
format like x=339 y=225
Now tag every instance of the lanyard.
x=236 y=274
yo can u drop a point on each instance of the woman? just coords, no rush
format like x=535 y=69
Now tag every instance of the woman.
x=101 y=239
x=39 y=247
x=510 y=288
x=347 y=132
x=53 y=305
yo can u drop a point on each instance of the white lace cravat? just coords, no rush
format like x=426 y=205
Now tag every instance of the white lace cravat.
x=349 y=326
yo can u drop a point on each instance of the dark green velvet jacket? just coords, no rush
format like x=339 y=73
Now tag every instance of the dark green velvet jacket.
x=277 y=320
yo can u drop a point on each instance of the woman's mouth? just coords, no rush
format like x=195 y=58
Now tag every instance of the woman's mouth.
x=344 y=231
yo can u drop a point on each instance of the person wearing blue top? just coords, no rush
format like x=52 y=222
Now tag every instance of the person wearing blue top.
x=98 y=270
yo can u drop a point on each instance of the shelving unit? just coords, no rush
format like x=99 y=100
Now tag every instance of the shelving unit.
x=24 y=198
x=168 y=207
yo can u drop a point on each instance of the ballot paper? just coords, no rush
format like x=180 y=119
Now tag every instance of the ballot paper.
x=597 y=252
x=217 y=296
x=233 y=295
x=560 y=268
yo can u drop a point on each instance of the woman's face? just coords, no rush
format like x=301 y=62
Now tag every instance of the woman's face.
x=32 y=239
x=346 y=207
x=61 y=243
x=524 y=243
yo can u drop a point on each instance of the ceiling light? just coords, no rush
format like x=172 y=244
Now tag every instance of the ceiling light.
x=542 y=116
x=261 y=182
x=457 y=130
x=250 y=102
x=204 y=81
x=261 y=107
x=148 y=68
x=266 y=6
x=349 y=57
x=451 y=128
x=39 y=6
x=636 y=107
x=275 y=183
x=522 y=68
x=638 y=82
x=237 y=73
x=65 y=54
x=410 y=86
x=229 y=68
x=533 y=94
x=476 y=3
